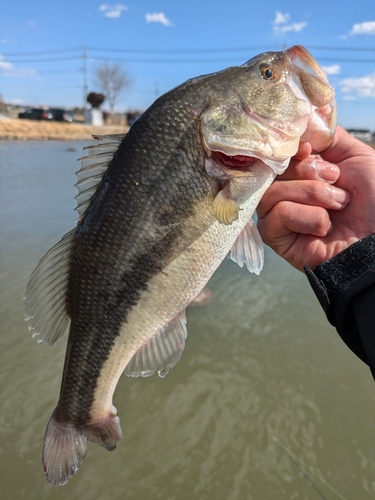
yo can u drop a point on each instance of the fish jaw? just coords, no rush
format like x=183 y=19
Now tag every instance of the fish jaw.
x=234 y=130
x=309 y=80
x=267 y=119
x=312 y=78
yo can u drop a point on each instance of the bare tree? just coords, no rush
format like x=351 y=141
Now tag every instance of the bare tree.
x=112 y=81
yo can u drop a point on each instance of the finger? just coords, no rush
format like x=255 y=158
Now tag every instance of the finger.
x=313 y=168
x=311 y=193
x=345 y=146
x=288 y=217
x=304 y=150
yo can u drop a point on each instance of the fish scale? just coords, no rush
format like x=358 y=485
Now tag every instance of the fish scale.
x=160 y=208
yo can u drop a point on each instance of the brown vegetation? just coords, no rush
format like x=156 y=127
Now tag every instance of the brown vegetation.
x=42 y=130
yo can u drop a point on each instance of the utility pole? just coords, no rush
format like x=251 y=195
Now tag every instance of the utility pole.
x=85 y=86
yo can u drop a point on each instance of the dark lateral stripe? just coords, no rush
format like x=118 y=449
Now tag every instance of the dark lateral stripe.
x=99 y=300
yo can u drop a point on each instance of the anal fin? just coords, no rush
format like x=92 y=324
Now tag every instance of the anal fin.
x=161 y=352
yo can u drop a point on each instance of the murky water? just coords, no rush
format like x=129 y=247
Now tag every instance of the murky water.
x=265 y=403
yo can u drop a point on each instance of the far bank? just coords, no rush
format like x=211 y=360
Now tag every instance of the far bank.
x=15 y=129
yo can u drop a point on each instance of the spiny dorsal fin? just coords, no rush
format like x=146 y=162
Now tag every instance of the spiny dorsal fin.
x=248 y=248
x=161 y=352
x=45 y=299
x=94 y=165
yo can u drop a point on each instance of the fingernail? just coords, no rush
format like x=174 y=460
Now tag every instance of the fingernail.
x=340 y=196
x=327 y=171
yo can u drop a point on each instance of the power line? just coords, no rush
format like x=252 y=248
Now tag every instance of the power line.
x=182 y=51
x=85 y=86
x=167 y=61
x=55 y=51
x=68 y=58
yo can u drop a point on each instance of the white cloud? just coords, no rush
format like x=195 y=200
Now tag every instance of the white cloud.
x=31 y=23
x=8 y=69
x=366 y=28
x=158 y=17
x=112 y=11
x=280 y=24
x=281 y=18
x=363 y=87
x=4 y=65
x=332 y=70
x=297 y=27
x=6 y=40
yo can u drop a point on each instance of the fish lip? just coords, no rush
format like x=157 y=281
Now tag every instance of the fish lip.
x=278 y=165
x=297 y=52
x=272 y=125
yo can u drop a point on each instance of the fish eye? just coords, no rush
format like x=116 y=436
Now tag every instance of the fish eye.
x=267 y=72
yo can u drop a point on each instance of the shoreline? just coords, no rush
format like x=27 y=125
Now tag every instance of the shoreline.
x=23 y=130
x=14 y=129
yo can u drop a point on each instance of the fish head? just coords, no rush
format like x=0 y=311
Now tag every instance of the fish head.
x=266 y=107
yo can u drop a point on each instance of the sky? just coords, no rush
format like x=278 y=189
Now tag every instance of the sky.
x=49 y=49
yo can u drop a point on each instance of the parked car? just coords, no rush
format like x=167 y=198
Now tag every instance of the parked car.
x=36 y=114
x=131 y=117
x=61 y=115
x=363 y=135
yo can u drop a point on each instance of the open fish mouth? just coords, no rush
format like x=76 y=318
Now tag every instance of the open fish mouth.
x=238 y=162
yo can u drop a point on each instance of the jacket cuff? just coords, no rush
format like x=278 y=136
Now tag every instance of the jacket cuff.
x=341 y=285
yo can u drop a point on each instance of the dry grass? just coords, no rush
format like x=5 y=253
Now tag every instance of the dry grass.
x=41 y=130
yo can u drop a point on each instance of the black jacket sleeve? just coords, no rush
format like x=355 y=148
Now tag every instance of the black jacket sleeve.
x=345 y=288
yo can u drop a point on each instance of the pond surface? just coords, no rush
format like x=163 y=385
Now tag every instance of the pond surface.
x=266 y=403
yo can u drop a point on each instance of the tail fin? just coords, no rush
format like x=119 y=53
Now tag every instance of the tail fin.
x=65 y=446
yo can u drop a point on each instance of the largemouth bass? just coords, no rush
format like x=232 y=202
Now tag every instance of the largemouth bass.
x=160 y=208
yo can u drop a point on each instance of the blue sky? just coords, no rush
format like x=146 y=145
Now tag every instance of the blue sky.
x=163 y=43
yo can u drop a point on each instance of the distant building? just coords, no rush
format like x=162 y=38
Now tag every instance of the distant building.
x=363 y=135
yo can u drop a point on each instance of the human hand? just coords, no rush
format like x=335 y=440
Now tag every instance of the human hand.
x=322 y=203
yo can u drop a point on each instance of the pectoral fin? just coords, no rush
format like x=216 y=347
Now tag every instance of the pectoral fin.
x=162 y=351
x=225 y=207
x=248 y=249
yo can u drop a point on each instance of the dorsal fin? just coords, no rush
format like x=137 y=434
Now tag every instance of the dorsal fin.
x=94 y=165
x=248 y=248
x=161 y=352
x=45 y=299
